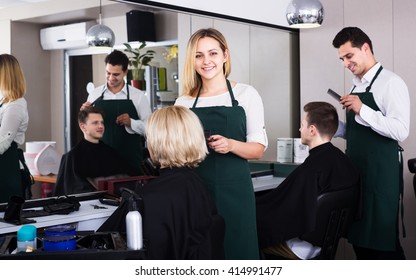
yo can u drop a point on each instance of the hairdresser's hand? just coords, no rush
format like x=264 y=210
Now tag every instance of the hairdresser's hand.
x=220 y=144
x=351 y=102
x=124 y=119
x=85 y=105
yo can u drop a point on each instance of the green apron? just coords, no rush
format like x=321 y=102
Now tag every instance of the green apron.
x=129 y=146
x=376 y=157
x=227 y=177
x=10 y=177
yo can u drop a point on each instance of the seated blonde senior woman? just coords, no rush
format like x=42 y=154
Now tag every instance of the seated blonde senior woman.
x=179 y=214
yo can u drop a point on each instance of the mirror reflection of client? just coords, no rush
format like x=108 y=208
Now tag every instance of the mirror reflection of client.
x=179 y=215
x=91 y=159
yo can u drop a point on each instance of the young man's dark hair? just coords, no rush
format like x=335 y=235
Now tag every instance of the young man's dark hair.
x=117 y=58
x=83 y=114
x=324 y=116
x=355 y=35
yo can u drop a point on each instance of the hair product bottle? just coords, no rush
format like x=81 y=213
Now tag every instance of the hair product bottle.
x=26 y=238
x=134 y=231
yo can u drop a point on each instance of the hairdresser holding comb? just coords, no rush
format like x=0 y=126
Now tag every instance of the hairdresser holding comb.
x=125 y=110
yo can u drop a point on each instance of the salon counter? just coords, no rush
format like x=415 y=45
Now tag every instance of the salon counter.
x=86 y=218
x=264 y=183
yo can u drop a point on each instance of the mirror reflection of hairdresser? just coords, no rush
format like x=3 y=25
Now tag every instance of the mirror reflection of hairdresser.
x=125 y=110
x=14 y=119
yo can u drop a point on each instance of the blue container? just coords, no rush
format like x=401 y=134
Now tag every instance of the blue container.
x=60 y=230
x=59 y=243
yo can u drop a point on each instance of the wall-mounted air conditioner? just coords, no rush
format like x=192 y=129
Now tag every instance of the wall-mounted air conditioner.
x=70 y=36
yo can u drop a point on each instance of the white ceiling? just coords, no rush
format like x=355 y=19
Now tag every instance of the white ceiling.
x=14 y=3
x=111 y=9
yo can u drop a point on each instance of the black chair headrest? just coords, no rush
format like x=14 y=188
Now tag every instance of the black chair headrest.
x=411 y=163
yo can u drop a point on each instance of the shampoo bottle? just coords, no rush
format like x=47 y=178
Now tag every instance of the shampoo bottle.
x=134 y=231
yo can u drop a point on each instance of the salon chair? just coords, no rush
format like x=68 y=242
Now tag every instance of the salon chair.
x=336 y=210
x=411 y=163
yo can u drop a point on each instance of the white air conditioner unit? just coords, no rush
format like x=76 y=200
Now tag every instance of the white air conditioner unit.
x=70 y=36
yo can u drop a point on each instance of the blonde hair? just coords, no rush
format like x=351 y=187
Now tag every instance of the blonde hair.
x=12 y=80
x=175 y=137
x=191 y=81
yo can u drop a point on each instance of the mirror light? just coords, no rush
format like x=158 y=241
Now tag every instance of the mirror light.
x=100 y=35
x=305 y=13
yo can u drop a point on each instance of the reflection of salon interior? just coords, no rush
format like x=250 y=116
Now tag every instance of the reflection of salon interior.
x=161 y=78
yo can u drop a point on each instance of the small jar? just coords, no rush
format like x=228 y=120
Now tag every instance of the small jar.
x=26 y=238
x=59 y=243
x=60 y=230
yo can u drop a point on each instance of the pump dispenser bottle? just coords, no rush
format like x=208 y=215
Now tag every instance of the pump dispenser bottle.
x=134 y=230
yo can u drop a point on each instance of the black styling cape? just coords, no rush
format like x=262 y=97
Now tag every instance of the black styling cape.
x=289 y=210
x=180 y=220
x=88 y=160
x=178 y=215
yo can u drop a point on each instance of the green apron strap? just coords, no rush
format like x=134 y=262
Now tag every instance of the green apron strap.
x=234 y=102
x=401 y=188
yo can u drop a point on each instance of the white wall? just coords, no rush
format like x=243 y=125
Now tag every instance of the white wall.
x=38 y=94
x=5 y=31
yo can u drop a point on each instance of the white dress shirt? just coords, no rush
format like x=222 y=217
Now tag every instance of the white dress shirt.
x=14 y=119
x=392 y=98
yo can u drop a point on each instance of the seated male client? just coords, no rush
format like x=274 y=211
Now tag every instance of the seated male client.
x=91 y=159
x=287 y=212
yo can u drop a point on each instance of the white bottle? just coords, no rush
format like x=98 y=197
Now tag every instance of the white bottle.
x=134 y=231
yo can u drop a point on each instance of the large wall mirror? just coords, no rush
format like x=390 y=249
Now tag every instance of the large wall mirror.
x=264 y=56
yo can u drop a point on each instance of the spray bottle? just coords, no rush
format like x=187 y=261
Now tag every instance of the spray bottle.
x=134 y=230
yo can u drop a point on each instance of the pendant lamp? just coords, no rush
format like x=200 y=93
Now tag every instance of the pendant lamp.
x=100 y=35
x=305 y=13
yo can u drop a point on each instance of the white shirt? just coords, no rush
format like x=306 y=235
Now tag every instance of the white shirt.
x=248 y=98
x=392 y=98
x=303 y=249
x=14 y=119
x=136 y=96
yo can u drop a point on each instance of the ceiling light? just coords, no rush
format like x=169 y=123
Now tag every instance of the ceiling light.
x=100 y=35
x=305 y=13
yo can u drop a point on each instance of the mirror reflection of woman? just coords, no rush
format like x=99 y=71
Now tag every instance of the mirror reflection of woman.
x=233 y=118
x=14 y=120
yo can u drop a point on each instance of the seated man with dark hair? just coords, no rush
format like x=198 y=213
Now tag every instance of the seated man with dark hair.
x=90 y=159
x=289 y=211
